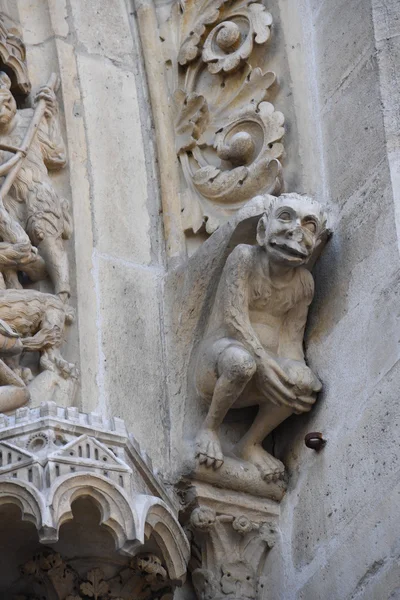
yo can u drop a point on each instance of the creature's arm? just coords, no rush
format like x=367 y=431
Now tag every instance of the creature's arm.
x=235 y=299
x=292 y=331
x=291 y=351
x=49 y=135
x=46 y=337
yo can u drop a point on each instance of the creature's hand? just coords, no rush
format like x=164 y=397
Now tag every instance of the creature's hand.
x=301 y=377
x=47 y=94
x=24 y=253
x=275 y=384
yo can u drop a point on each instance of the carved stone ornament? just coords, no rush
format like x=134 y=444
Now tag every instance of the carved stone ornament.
x=228 y=136
x=49 y=457
x=13 y=57
x=252 y=350
x=231 y=536
x=144 y=578
x=34 y=222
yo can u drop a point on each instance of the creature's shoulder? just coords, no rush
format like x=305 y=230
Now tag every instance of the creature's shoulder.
x=243 y=252
x=241 y=260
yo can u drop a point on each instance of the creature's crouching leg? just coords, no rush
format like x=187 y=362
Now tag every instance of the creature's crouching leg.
x=55 y=256
x=13 y=392
x=236 y=367
x=12 y=397
x=249 y=448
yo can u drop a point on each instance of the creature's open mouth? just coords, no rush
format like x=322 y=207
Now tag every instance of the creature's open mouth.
x=289 y=250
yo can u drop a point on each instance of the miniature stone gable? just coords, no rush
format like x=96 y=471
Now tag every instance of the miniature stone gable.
x=88 y=454
x=14 y=460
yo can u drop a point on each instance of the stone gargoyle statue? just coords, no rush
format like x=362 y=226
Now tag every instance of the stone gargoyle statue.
x=252 y=352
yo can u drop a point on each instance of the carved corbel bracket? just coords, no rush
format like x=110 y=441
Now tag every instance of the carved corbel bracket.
x=231 y=534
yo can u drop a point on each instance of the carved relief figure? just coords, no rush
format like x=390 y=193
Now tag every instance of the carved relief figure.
x=32 y=201
x=252 y=353
x=34 y=221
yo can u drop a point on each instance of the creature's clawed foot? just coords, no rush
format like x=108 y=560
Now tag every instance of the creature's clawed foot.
x=208 y=449
x=51 y=360
x=271 y=468
x=23 y=373
x=26 y=375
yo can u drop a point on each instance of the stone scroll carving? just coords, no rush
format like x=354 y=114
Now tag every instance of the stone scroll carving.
x=34 y=222
x=252 y=351
x=228 y=136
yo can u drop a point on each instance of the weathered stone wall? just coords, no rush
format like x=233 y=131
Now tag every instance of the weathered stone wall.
x=337 y=67
x=339 y=529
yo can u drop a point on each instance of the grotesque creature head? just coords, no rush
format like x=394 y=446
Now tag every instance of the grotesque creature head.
x=8 y=106
x=290 y=230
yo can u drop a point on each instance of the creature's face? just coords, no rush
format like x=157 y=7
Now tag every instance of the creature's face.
x=8 y=107
x=291 y=232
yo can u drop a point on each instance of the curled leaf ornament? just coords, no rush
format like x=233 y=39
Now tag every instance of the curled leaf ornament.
x=231 y=42
x=242 y=525
x=202 y=518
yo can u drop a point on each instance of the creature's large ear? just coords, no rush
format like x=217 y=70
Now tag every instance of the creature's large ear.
x=262 y=230
x=5 y=81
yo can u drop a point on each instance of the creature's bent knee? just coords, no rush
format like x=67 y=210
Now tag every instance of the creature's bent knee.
x=237 y=364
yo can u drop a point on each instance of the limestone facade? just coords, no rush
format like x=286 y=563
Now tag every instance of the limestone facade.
x=175 y=177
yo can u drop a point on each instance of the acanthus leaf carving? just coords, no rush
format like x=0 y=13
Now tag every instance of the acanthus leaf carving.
x=230 y=43
x=228 y=135
x=228 y=552
x=95 y=586
x=144 y=578
x=196 y=17
x=192 y=119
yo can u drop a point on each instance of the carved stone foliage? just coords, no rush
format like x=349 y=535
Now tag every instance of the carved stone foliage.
x=252 y=352
x=34 y=222
x=13 y=57
x=230 y=539
x=228 y=136
x=143 y=578
x=50 y=456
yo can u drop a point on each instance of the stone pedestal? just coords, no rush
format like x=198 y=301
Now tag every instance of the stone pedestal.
x=231 y=533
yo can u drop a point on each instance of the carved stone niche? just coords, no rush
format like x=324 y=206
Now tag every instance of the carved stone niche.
x=231 y=534
x=96 y=522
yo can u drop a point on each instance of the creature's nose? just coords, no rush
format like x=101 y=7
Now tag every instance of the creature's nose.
x=296 y=235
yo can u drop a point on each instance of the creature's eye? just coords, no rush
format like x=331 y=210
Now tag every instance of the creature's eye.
x=285 y=216
x=311 y=226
